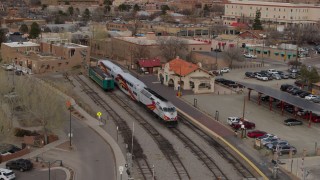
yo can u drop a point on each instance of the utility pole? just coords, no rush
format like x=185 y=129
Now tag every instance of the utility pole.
x=298 y=38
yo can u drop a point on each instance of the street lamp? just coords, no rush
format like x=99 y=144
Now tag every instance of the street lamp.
x=49 y=163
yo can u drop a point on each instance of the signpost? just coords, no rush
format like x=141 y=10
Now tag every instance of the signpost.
x=99 y=115
x=69 y=106
x=120 y=170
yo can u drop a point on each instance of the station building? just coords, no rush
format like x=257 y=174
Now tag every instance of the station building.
x=179 y=73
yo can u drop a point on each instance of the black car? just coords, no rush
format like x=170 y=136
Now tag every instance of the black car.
x=297 y=92
x=292 y=122
x=217 y=50
x=304 y=94
x=250 y=74
x=284 y=87
x=20 y=164
x=265 y=98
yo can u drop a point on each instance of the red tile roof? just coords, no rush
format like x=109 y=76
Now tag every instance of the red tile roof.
x=178 y=65
x=149 y=63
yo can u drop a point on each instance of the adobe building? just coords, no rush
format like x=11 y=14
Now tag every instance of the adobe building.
x=133 y=48
x=179 y=73
x=51 y=55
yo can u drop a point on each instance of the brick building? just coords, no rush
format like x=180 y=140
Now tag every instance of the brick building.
x=51 y=55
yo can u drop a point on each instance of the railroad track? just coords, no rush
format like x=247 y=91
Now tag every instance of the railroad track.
x=145 y=170
x=164 y=145
x=239 y=167
x=203 y=156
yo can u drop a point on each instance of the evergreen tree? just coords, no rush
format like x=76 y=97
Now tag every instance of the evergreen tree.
x=257 y=23
x=86 y=14
x=164 y=9
x=136 y=8
x=71 y=10
x=35 y=31
x=24 y=28
x=2 y=36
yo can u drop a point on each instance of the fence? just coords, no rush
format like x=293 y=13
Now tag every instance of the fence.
x=14 y=155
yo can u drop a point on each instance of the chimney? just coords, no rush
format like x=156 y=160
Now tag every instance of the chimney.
x=151 y=36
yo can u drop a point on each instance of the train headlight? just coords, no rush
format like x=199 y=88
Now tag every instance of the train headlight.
x=166 y=118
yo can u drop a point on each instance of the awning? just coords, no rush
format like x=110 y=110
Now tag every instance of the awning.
x=276 y=53
x=258 y=50
x=283 y=53
x=266 y=51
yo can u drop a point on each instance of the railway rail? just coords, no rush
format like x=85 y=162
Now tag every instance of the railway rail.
x=235 y=162
x=140 y=159
x=164 y=145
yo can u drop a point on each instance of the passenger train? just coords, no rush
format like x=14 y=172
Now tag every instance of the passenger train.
x=139 y=92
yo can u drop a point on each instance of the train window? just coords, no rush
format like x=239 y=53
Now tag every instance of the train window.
x=165 y=109
x=160 y=108
x=135 y=93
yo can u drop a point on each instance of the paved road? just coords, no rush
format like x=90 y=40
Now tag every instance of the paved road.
x=56 y=174
x=96 y=160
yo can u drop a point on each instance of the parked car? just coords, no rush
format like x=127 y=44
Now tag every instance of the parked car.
x=249 y=74
x=20 y=164
x=276 y=76
x=278 y=143
x=217 y=50
x=293 y=75
x=269 y=140
x=265 y=98
x=266 y=136
x=231 y=120
x=292 y=122
x=263 y=78
x=247 y=125
x=248 y=55
x=316 y=100
x=256 y=133
x=310 y=97
x=304 y=94
x=6 y=174
x=272 y=71
x=225 y=70
x=293 y=70
x=284 y=87
x=285 y=149
x=284 y=76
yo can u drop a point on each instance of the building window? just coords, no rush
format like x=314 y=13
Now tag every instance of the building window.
x=193 y=48
x=284 y=17
x=200 y=48
x=267 y=9
x=291 y=10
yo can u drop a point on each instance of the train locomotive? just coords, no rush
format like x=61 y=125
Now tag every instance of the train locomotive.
x=139 y=92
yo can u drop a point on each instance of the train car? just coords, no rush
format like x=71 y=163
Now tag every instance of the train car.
x=102 y=79
x=139 y=92
x=109 y=68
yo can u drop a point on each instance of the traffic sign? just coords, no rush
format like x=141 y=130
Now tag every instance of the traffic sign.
x=99 y=114
x=68 y=104
x=120 y=169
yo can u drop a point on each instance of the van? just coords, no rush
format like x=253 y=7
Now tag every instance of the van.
x=7 y=174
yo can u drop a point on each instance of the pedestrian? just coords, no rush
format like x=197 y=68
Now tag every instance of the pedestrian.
x=236 y=133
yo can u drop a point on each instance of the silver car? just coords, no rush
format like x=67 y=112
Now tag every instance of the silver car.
x=276 y=76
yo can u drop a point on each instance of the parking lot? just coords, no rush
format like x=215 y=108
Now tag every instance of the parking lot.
x=301 y=137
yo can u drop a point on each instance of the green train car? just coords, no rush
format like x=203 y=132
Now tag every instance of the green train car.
x=101 y=78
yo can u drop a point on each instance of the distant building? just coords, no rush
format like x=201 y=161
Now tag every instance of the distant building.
x=72 y=2
x=134 y=48
x=285 y=14
x=51 y=55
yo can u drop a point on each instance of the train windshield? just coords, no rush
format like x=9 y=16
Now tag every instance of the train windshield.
x=170 y=109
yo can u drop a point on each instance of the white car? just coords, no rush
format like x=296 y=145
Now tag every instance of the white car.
x=231 y=120
x=225 y=70
x=272 y=71
x=260 y=77
x=310 y=97
x=250 y=56
x=7 y=174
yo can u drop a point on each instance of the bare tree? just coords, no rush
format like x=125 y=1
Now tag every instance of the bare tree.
x=171 y=46
x=42 y=103
x=134 y=26
x=273 y=37
x=140 y=51
x=219 y=28
x=233 y=54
